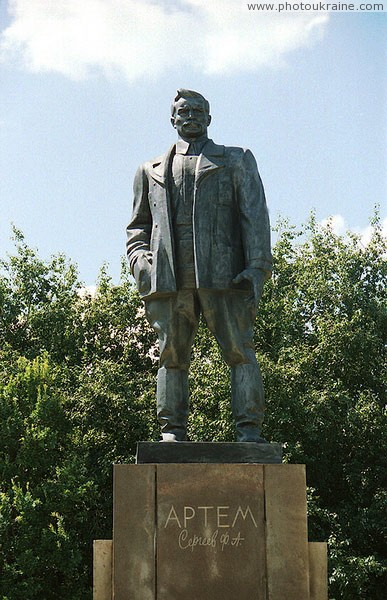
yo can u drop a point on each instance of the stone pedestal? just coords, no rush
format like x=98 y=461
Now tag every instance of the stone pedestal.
x=211 y=531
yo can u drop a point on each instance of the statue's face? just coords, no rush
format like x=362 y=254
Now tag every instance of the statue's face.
x=190 y=119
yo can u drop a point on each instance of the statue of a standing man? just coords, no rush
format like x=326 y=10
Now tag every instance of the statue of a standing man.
x=199 y=243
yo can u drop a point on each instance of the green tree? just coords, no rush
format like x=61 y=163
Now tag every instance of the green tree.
x=77 y=391
x=321 y=342
x=76 y=377
x=39 y=304
x=43 y=490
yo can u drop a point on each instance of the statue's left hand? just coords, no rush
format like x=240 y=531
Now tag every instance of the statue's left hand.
x=256 y=278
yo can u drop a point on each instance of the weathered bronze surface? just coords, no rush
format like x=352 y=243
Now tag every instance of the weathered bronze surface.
x=199 y=243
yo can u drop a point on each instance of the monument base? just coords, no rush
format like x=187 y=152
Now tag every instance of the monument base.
x=209 y=532
x=208 y=452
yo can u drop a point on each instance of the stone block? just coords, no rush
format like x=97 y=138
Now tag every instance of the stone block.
x=134 y=532
x=208 y=452
x=286 y=532
x=210 y=532
x=318 y=570
x=102 y=569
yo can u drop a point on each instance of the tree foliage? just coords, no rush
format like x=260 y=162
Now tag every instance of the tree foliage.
x=77 y=389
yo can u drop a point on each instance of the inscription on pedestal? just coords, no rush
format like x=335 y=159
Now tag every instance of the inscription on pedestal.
x=210 y=532
x=222 y=521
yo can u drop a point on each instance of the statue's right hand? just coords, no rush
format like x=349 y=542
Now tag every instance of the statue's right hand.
x=257 y=279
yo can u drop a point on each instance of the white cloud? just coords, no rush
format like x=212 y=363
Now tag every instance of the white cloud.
x=366 y=233
x=336 y=222
x=87 y=291
x=339 y=226
x=140 y=38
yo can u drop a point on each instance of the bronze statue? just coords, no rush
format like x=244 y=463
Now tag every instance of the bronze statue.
x=199 y=243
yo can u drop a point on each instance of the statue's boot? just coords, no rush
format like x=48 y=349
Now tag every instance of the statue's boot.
x=248 y=402
x=172 y=404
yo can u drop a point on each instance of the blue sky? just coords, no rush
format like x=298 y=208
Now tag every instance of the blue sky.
x=85 y=91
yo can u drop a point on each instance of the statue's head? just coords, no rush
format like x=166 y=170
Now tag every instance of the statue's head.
x=190 y=115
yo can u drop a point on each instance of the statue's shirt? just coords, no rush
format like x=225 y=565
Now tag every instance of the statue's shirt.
x=183 y=183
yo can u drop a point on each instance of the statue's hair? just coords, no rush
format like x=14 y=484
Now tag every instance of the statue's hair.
x=181 y=93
